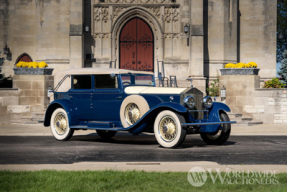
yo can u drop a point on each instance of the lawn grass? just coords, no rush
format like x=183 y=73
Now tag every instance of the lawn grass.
x=119 y=181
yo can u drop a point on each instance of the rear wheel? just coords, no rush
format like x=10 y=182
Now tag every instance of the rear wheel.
x=220 y=136
x=106 y=134
x=59 y=124
x=167 y=129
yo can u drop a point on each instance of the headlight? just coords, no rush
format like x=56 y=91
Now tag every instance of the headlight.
x=207 y=102
x=189 y=101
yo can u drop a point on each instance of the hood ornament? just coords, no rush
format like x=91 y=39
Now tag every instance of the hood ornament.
x=190 y=80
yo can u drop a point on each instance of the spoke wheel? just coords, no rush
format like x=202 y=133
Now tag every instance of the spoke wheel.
x=167 y=129
x=60 y=125
x=132 y=113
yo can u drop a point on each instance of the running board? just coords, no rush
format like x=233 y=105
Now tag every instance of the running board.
x=99 y=128
x=208 y=123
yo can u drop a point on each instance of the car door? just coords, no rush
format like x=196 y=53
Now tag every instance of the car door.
x=107 y=98
x=80 y=96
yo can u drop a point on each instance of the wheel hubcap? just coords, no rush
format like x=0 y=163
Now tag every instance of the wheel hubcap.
x=132 y=113
x=168 y=128
x=60 y=123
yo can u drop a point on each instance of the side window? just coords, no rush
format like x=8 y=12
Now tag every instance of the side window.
x=105 y=82
x=82 y=82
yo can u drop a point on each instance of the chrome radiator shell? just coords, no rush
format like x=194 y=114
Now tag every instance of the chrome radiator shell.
x=198 y=96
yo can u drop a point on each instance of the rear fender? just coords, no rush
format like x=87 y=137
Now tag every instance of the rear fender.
x=66 y=105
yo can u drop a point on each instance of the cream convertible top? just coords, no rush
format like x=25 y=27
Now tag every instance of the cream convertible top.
x=67 y=83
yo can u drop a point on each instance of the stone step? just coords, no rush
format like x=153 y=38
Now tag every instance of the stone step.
x=38 y=114
x=16 y=122
x=32 y=122
x=252 y=123
x=26 y=117
x=246 y=119
x=234 y=115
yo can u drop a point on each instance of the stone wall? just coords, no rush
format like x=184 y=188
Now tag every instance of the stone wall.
x=268 y=105
x=45 y=30
x=28 y=96
x=258 y=26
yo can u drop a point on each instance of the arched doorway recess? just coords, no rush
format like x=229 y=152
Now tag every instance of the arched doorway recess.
x=136 y=45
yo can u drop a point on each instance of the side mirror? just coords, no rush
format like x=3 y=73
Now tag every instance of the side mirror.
x=112 y=75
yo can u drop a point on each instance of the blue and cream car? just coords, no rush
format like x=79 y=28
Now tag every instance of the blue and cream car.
x=111 y=100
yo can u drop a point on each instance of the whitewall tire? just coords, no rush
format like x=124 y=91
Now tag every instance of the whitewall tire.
x=167 y=129
x=132 y=109
x=59 y=124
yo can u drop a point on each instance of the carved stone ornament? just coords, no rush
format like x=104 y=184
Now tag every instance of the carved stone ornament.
x=139 y=1
x=101 y=13
x=171 y=35
x=101 y=35
x=155 y=11
x=170 y=14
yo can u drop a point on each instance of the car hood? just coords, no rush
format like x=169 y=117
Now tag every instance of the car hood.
x=153 y=90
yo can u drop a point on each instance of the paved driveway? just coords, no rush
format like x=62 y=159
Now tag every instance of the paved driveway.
x=142 y=148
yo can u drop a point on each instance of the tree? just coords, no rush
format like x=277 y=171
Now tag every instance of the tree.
x=281 y=28
x=283 y=68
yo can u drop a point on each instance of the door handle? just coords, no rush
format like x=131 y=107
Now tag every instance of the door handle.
x=119 y=97
x=71 y=97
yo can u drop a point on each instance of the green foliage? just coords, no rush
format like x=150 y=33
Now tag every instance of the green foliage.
x=122 y=181
x=283 y=68
x=274 y=83
x=213 y=87
x=281 y=27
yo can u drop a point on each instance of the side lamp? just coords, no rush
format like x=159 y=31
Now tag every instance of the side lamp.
x=223 y=93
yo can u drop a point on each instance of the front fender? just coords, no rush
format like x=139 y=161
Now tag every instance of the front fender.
x=150 y=116
x=214 y=116
x=61 y=103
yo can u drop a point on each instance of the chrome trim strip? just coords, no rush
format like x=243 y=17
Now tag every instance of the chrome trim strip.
x=209 y=123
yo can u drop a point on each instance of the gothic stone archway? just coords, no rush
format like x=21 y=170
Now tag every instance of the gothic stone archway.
x=136 y=46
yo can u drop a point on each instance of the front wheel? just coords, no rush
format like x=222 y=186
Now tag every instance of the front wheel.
x=167 y=129
x=106 y=134
x=60 y=125
x=221 y=135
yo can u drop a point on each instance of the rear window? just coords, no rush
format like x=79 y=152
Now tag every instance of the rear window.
x=82 y=82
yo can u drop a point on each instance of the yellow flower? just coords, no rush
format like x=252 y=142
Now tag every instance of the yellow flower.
x=42 y=64
x=20 y=64
x=240 y=65
x=229 y=65
x=33 y=65
x=252 y=64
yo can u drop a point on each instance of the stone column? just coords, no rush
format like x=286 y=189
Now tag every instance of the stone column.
x=196 y=61
x=76 y=34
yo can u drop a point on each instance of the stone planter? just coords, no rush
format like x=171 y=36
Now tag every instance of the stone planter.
x=239 y=71
x=33 y=71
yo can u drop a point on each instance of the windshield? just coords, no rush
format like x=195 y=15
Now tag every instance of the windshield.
x=137 y=79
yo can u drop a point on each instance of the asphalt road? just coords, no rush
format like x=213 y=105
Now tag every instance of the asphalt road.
x=141 y=148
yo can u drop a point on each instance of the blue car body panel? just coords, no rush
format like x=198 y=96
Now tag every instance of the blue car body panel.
x=213 y=116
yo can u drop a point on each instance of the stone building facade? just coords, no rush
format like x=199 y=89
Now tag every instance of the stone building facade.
x=219 y=32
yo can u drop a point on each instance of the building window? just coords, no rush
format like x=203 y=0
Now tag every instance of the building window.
x=105 y=82
x=82 y=82
x=24 y=57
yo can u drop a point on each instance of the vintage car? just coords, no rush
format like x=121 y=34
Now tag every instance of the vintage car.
x=111 y=100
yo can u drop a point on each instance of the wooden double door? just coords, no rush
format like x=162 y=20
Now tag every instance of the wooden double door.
x=137 y=46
